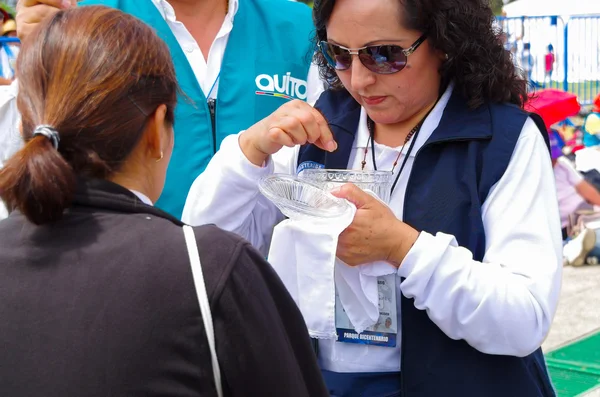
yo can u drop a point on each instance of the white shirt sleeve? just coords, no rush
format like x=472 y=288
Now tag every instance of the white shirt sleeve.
x=573 y=176
x=315 y=86
x=10 y=137
x=226 y=194
x=504 y=304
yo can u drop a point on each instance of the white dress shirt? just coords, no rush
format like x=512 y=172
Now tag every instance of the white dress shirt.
x=143 y=198
x=503 y=305
x=207 y=69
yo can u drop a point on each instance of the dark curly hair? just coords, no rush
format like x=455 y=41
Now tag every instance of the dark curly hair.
x=480 y=67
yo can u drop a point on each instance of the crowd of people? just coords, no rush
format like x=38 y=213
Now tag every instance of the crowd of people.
x=578 y=186
x=130 y=121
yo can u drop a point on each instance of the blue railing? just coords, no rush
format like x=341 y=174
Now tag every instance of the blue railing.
x=575 y=44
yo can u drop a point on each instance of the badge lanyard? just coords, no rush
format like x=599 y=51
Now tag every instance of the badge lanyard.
x=410 y=148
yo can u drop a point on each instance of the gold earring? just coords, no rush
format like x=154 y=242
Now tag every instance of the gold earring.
x=161 y=157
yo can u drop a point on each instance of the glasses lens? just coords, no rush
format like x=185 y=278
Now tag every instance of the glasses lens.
x=337 y=57
x=383 y=59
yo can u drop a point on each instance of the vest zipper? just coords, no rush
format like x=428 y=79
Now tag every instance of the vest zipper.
x=212 y=107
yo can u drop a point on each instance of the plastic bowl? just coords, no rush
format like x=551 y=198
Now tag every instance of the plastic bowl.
x=378 y=182
x=299 y=198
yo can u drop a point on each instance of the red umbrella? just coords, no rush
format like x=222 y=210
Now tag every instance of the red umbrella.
x=553 y=105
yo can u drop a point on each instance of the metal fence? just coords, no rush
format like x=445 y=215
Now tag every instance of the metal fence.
x=557 y=53
x=574 y=43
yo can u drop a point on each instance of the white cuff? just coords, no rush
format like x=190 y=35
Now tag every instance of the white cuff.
x=425 y=254
x=241 y=163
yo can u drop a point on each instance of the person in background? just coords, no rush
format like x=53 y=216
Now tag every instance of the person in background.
x=236 y=60
x=573 y=191
x=96 y=284
x=10 y=50
x=591 y=124
x=549 y=61
x=423 y=89
x=527 y=61
x=585 y=247
x=6 y=55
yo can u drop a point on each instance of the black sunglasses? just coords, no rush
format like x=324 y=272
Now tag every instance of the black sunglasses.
x=380 y=59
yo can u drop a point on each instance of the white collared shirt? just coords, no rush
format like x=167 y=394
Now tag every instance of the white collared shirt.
x=502 y=305
x=143 y=198
x=207 y=69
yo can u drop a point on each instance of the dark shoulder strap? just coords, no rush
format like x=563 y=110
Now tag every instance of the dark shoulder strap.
x=539 y=121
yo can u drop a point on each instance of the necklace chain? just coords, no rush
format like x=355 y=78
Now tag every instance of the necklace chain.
x=371 y=127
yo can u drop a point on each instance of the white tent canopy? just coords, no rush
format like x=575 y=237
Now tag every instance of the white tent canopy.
x=533 y=8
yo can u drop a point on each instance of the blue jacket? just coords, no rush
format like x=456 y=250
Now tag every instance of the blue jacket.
x=450 y=179
x=266 y=63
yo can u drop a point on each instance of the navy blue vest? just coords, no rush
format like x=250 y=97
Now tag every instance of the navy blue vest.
x=450 y=179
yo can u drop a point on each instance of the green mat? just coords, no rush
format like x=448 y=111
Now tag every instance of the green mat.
x=575 y=368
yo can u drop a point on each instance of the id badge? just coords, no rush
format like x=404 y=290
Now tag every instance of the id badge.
x=384 y=332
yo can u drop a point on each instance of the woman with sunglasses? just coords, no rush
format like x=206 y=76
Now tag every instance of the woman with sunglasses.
x=424 y=89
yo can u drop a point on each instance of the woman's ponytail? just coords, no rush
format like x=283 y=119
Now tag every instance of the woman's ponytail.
x=95 y=102
x=38 y=181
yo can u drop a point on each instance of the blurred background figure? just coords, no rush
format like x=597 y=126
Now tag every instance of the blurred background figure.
x=573 y=191
x=591 y=124
x=8 y=51
x=549 y=60
x=527 y=61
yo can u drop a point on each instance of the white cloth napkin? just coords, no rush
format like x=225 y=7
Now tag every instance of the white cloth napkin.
x=358 y=291
x=303 y=255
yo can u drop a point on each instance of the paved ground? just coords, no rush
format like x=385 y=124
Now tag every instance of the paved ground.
x=578 y=313
x=595 y=393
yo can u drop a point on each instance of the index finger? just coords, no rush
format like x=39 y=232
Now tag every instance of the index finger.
x=326 y=140
x=53 y=3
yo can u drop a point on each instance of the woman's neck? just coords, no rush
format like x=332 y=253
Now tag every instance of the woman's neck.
x=394 y=135
x=137 y=184
x=198 y=7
